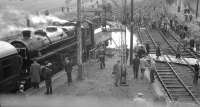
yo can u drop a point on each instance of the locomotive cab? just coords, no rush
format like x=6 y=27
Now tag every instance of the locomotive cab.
x=10 y=67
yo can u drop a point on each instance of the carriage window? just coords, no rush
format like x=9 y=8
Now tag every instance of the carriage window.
x=22 y=52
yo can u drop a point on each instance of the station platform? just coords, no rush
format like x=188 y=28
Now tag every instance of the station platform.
x=98 y=85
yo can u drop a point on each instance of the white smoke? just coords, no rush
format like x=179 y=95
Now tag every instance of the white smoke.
x=13 y=20
x=46 y=20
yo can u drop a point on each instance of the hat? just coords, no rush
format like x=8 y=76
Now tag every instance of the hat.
x=49 y=64
x=140 y=94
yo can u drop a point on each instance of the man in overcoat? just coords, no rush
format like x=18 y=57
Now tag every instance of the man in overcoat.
x=117 y=73
x=35 y=71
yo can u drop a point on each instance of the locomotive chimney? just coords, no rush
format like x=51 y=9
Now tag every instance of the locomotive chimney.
x=26 y=34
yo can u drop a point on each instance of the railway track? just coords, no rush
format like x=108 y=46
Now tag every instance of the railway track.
x=194 y=54
x=187 y=53
x=168 y=76
x=172 y=42
x=144 y=39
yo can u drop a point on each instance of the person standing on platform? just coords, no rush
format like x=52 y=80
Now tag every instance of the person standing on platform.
x=142 y=67
x=68 y=70
x=196 y=73
x=158 y=53
x=127 y=55
x=35 y=71
x=47 y=74
x=152 y=70
x=136 y=63
x=117 y=73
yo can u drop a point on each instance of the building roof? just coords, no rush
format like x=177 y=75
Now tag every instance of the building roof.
x=6 y=49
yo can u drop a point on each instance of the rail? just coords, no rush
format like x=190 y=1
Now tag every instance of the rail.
x=161 y=79
x=163 y=36
x=195 y=56
x=181 y=81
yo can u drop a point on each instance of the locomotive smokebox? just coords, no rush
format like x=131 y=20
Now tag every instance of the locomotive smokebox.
x=26 y=34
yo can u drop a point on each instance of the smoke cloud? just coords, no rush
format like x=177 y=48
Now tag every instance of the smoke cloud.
x=12 y=20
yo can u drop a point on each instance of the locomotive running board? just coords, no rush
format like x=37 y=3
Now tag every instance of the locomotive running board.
x=55 y=51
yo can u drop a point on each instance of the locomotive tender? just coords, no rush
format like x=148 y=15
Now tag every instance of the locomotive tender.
x=51 y=43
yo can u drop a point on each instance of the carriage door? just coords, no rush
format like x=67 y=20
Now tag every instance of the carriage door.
x=25 y=66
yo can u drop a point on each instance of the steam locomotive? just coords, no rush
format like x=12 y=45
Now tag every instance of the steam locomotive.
x=51 y=43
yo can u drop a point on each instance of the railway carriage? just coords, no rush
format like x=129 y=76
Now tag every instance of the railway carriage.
x=10 y=65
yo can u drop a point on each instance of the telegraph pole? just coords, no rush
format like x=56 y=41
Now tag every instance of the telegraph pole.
x=79 y=38
x=131 y=36
x=197 y=8
x=125 y=45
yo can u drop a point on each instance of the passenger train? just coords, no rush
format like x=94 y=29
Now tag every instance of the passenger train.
x=51 y=43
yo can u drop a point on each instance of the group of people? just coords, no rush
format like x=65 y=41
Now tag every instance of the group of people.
x=138 y=64
x=46 y=71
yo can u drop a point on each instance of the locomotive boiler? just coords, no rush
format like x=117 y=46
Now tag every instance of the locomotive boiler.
x=51 y=43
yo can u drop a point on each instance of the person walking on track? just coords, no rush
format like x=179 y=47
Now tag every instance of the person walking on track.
x=196 y=73
x=147 y=48
x=192 y=43
x=158 y=53
x=117 y=73
x=47 y=74
x=178 y=51
x=35 y=71
x=68 y=70
x=136 y=63
x=152 y=70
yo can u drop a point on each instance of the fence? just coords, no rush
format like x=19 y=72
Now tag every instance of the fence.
x=55 y=10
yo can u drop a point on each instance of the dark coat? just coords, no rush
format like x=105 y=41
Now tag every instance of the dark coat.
x=68 y=67
x=47 y=73
x=196 y=68
x=192 y=43
x=136 y=63
x=158 y=51
x=147 y=48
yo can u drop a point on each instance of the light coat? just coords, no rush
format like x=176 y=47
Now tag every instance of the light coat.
x=117 y=71
x=35 y=70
